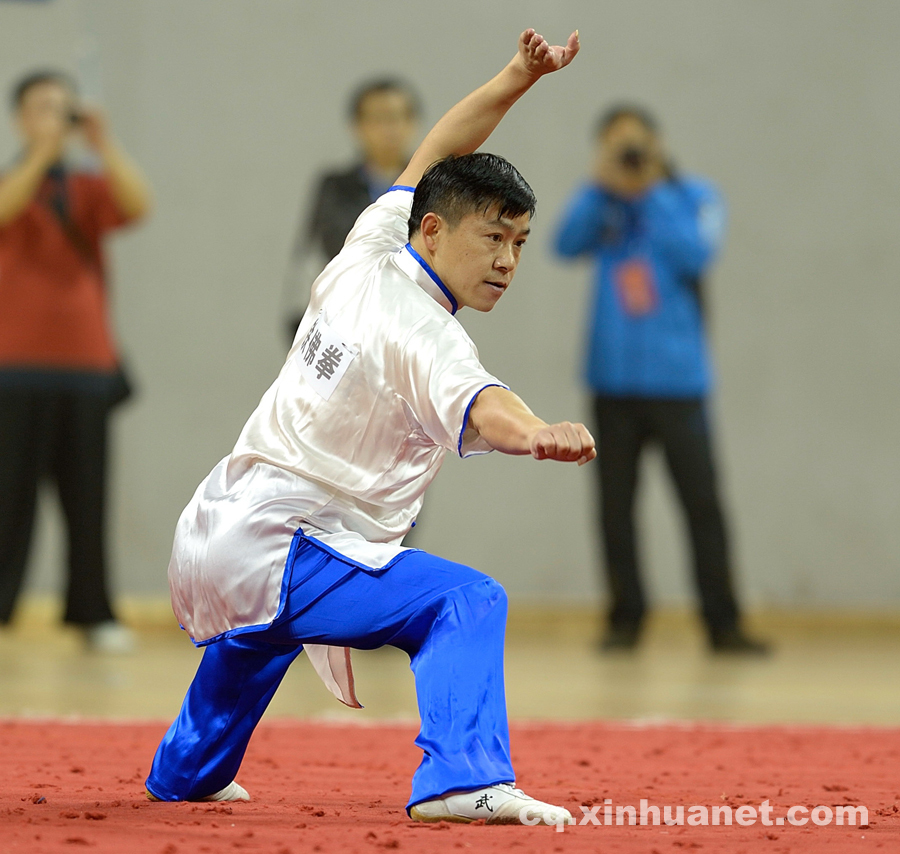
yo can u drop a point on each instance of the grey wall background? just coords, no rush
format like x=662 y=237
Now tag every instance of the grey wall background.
x=233 y=106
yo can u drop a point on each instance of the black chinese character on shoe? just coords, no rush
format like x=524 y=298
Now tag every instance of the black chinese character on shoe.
x=483 y=802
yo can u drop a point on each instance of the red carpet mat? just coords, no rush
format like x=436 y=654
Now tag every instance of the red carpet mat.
x=321 y=787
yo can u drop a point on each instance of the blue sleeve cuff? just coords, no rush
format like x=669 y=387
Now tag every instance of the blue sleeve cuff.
x=465 y=424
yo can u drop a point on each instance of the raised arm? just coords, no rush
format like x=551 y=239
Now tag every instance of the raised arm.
x=127 y=183
x=467 y=125
x=509 y=426
x=20 y=184
x=686 y=225
x=580 y=228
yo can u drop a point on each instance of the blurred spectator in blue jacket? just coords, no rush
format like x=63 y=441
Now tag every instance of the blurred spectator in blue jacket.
x=652 y=234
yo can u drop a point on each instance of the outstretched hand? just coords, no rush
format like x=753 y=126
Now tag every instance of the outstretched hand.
x=539 y=57
x=565 y=442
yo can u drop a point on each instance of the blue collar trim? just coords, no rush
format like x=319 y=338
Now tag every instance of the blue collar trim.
x=454 y=306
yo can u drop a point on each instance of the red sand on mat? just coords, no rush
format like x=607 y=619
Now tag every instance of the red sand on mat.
x=323 y=787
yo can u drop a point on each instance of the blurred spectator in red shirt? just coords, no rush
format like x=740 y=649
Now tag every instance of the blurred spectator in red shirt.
x=59 y=364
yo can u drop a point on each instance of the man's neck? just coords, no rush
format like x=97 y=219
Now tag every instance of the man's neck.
x=419 y=245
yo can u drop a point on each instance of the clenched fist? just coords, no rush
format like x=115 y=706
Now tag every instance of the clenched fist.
x=566 y=442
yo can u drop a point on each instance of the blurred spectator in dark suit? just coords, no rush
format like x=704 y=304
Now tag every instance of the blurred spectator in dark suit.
x=384 y=117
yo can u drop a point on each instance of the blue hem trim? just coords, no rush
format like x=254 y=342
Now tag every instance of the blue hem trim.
x=349 y=560
x=465 y=422
x=156 y=794
x=282 y=599
x=401 y=187
x=298 y=537
x=434 y=276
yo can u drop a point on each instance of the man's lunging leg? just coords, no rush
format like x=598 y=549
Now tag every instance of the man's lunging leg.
x=203 y=749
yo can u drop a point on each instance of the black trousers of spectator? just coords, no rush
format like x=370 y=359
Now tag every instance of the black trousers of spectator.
x=624 y=427
x=63 y=437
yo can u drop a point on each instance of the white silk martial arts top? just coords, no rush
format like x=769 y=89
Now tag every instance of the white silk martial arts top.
x=376 y=389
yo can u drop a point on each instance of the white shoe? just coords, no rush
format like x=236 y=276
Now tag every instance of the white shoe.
x=110 y=637
x=498 y=804
x=232 y=792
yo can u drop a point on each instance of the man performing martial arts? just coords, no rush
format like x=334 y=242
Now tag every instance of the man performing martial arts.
x=293 y=541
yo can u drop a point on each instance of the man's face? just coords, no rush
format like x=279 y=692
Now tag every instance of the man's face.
x=44 y=109
x=628 y=131
x=477 y=258
x=385 y=128
x=633 y=153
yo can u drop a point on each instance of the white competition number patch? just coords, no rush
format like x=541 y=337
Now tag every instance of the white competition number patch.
x=324 y=358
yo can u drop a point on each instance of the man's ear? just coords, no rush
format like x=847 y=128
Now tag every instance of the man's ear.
x=432 y=228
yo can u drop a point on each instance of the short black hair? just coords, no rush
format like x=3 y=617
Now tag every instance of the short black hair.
x=36 y=78
x=471 y=183
x=626 y=110
x=380 y=85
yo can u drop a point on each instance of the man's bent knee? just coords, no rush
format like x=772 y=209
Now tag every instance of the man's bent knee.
x=485 y=597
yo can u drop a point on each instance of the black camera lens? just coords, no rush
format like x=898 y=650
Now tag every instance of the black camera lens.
x=633 y=158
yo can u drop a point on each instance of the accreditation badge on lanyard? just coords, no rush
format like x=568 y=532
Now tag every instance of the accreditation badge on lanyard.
x=635 y=286
x=324 y=358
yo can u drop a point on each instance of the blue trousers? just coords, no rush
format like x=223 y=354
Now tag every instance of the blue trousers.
x=448 y=618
